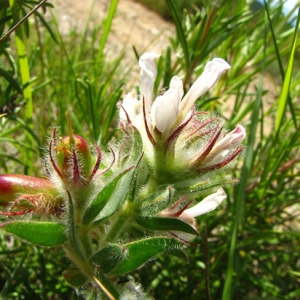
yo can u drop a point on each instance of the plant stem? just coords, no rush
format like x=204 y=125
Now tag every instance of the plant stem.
x=104 y=289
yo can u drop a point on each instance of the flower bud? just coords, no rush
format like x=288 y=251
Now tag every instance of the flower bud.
x=13 y=185
x=229 y=142
x=72 y=160
x=27 y=192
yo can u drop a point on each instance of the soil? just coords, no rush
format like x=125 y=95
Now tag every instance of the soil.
x=133 y=25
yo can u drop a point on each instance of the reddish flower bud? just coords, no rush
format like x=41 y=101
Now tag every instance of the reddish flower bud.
x=13 y=185
x=26 y=193
x=72 y=160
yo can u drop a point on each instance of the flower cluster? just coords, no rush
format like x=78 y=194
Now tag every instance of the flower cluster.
x=181 y=145
x=179 y=141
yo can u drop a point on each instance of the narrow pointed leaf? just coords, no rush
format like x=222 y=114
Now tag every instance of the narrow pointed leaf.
x=165 y=224
x=117 y=198
x=102 y=198
x=137 y=253
x=125 y=188
x=46 y=234
x=284 y=95
x=11 y=80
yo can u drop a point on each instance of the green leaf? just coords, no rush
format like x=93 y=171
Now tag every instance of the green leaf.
x=106 y=195
x=47 y=26
x=284 y=95
x=156 y=202
x=165 y=224
x=108 y=257
x=74 y=277
x=107 y=28
x=48 y=234
x=117 y=198
x=137 y=253
x=13 y=82
x=180 y=31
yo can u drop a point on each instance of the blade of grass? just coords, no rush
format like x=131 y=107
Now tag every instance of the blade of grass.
x=240 y=194
x=180 y=32
x=284 y=95
x=267 y=10
x=106 y=29
x=282 y=103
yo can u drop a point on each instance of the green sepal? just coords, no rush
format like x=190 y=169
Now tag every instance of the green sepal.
x=107 y=194
x=137 y=144
x=47 y=234
x=74 y=277
x=165 y=224
x=156 y=202
x=108 y=257
x=139 y=252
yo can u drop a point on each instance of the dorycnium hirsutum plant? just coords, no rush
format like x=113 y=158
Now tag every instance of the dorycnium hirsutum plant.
x=113 y=212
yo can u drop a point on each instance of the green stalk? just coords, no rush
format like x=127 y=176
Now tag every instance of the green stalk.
x=24 y=73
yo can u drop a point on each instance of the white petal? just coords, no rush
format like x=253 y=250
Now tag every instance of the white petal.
x=207 y=205
x=165 y=108
x=132 y=107
x=230 y=141
x=212 y=72
x=148 y=75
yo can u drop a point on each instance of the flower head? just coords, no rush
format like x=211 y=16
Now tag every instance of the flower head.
x=177 y=140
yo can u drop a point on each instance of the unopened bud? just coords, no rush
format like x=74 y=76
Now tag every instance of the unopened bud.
x=23 y=193
x=74 y=158
x=14 y=185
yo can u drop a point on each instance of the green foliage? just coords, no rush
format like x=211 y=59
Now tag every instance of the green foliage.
x=31 y=272
x=47 y=234
x=266 y=197
x=137 y=253
x=74 y=78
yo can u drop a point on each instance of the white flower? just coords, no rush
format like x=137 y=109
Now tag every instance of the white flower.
x=188 y=215
x=179 y=142
x=168 y=109
x=207 y=205
x=165 y=109
x=131 y=110
x=148 y=75
x=222 y=148
x=212 y=72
